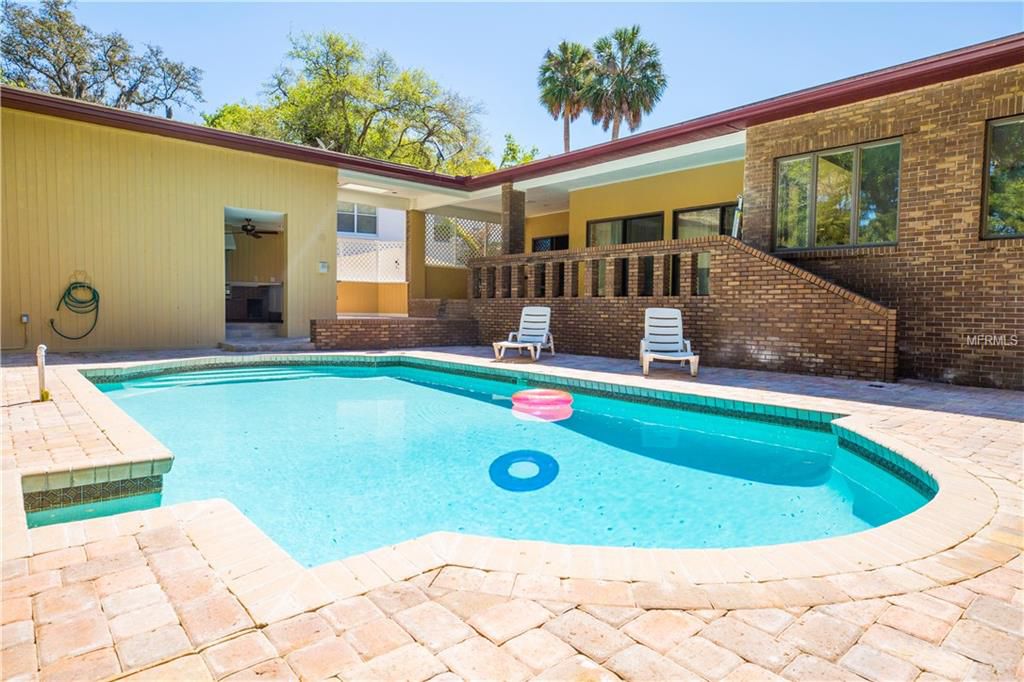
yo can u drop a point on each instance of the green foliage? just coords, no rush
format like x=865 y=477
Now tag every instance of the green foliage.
x=621 y=79
x=335 y=95
x=515 y=155
x=792 y=203
x=246 y=118
x=879 y=194
x=563 y=78
x=1005 y=215
x=628 y=80
x=46 y=49
x=834 y=199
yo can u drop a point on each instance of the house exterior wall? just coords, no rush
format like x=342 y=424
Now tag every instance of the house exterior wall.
x=390 y=224
x=257 y=260
x=143 y=216
x=708 y=185
x=550 y=225
x=445 y=282
x=947 y=283
x=390 y=298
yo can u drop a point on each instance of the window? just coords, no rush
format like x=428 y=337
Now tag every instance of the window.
x=690 y=223
x=645 y=228
x=702 y=274
x=556 y=243
x=842 y=197
x=357 y=218
x=1004 y=180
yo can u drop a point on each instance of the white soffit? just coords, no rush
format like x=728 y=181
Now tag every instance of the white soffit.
x=551 y=190
x=269 y=220
x=721 y=149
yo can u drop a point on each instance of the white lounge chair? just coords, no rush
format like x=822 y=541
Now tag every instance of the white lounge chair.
x=534 y=334
x=663 y=340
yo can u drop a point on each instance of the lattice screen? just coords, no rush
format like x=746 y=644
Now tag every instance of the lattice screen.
x=370 y=260
x=454 y=241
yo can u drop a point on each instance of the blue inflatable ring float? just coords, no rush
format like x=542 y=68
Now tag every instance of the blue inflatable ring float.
x=546 y=465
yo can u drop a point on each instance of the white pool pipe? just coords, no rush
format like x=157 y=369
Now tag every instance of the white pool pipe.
x=44 y=395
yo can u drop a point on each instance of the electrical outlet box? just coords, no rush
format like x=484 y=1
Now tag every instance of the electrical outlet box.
x=24 y=318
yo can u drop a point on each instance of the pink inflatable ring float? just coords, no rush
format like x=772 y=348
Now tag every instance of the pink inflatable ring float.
x=542 y=404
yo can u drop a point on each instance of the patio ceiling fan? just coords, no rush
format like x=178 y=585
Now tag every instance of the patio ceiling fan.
x=250 y=229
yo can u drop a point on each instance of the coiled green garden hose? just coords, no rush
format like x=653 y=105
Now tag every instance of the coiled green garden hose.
x=89 y=304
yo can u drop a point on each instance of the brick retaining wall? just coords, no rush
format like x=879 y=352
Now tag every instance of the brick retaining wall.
x=762 y=313
x=384 y=333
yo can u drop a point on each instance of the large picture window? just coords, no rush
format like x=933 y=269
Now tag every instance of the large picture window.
x=645 y=228
x=1004 y=179
x=841 y=197
x=357 y=218
x=689 y=223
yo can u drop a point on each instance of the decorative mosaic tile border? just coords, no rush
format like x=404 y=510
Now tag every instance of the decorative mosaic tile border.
x=897 y=465
x=894 y=463
x=809 y=419
x=93 y=492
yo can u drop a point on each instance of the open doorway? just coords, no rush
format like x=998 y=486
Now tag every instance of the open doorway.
x=255 y=272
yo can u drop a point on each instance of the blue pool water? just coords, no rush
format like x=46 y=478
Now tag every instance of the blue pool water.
x=334 y=461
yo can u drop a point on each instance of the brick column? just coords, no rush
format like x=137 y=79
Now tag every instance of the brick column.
x=549 y=279
x=513 y=220
x=572 y=279
x=609 y=277
x=517 y=281
x=661 y=264
x=632 y=276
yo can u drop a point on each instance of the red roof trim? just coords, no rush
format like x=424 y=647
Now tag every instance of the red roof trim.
x=988 y=56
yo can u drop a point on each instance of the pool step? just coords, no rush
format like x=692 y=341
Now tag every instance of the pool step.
x=234 y=331
x=270 y=345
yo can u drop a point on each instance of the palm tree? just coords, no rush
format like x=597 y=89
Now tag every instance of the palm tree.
x=628 y=80
x=564 y=75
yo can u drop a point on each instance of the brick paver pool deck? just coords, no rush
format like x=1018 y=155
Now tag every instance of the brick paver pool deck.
x=196 y=591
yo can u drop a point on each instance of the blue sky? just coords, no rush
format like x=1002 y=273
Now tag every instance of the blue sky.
x=715 y=55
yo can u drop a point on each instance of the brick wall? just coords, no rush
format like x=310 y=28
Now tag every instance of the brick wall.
x=384 y=333
x=762 y=313
x=946 y=282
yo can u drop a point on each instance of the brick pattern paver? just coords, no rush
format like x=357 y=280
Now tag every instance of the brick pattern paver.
x=66 y=615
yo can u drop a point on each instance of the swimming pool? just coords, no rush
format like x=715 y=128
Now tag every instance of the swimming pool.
x=334 y=461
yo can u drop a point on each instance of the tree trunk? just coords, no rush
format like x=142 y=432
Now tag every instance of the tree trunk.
x=615 y=127
x=565 y=131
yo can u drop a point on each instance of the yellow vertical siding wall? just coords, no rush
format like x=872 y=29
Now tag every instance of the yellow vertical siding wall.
x=442 y=282
x=550 y=225
x=257 y=260
x=143 y=215
x=391 y=298
x=718 y=184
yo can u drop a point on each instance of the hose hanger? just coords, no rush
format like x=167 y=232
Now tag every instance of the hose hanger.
x=81 y=298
